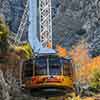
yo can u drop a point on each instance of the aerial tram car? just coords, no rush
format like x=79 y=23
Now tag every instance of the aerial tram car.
x=48 y=75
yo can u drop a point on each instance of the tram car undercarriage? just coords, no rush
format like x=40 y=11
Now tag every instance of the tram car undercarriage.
x=48 y=75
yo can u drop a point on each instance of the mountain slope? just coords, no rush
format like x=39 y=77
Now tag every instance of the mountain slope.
x=73 y=20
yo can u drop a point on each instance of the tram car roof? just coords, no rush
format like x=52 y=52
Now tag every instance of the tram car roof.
x=53 y=55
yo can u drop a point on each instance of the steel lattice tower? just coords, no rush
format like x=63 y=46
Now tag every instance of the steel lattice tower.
x=22 y=25
x=45 y=23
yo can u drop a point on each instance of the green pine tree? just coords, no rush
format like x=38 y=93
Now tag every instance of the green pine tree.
x=4 y=32
x=95 y=81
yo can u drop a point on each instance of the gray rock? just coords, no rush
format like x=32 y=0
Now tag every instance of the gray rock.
x=76 y=15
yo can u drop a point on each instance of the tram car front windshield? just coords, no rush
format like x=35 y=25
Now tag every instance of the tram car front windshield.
x=52 y=65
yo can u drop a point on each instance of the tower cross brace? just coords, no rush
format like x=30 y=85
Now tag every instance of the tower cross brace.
x=45 y=23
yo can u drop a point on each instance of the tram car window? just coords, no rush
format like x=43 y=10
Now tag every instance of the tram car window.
x=41 y=66
x=54 y=66
x=67 y=68
x=28 y=69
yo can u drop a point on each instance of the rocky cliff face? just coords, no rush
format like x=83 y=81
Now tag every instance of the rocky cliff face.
x=73 y=20
x=12 y=11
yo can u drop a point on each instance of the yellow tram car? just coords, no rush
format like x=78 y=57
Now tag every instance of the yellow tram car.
x=48 y=75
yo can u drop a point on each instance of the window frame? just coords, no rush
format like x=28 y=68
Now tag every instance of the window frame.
x=37 y=71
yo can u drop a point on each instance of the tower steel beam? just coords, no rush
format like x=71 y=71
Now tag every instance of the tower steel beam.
x=45 y=23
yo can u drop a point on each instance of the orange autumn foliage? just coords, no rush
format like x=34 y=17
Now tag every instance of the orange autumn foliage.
x=80 y=56
x=83 y=63
x=49 y=45
x=85 y=71
x=62 y=52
